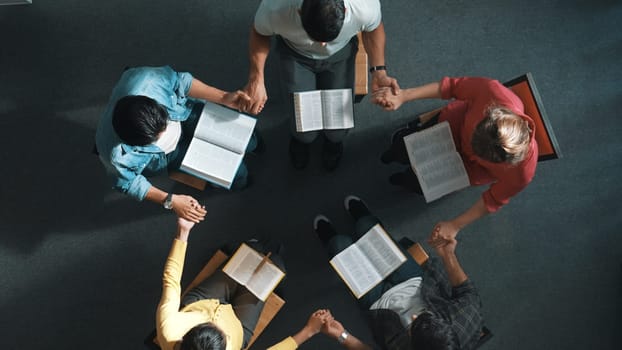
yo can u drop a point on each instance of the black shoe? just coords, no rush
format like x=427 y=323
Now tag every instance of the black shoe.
x=324 y=228
x=407 y=180
x=298 y=153
x=331 y=154
x=356 y=207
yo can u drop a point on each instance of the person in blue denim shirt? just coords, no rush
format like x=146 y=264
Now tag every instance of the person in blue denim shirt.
x=149 y=119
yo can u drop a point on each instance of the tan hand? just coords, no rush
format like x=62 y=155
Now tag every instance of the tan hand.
x=188 y=208
x=256 y=90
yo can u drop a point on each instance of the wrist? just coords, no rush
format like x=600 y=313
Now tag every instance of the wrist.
x=343 y=336
x=378 y=69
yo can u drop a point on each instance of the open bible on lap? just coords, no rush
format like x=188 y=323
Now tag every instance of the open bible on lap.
x=323 y=109
x=254 y=271
x=435 y=161
x=218 y=145
x=368 y=261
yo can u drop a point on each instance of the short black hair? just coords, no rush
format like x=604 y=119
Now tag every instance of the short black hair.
x=205 y=336
x=138 y=120
x=430 y=332
x=322 y=19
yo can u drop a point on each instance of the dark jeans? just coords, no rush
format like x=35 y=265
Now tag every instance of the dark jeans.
x=299 y=73
x=407 y=270
x=246 y=306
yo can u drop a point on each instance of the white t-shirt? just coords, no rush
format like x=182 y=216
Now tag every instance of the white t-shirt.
x=281 y=17
x=170 y=137
x=404 y=299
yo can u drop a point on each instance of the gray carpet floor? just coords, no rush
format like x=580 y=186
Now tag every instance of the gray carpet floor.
x=81 y=265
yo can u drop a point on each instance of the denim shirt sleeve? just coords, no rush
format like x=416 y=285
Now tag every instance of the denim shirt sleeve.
x=126 y=167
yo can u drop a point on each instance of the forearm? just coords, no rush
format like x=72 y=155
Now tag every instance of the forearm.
x=475 y=212
x=303 y=335
x=431 y=90
x=454 y=271
x=259 y=48
x=374 y=42
x=156 y=195
x=200 y=90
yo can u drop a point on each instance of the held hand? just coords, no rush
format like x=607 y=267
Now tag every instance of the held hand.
x=188 y=208
x=380 y=79
x=317 y=320
x=333 y=328
x=183 y=228
x=385 y=98
x=236 y=99
x=256 y=90
x=443 y=237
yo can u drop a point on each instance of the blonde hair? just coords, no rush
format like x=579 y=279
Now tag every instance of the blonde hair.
x=501 y=137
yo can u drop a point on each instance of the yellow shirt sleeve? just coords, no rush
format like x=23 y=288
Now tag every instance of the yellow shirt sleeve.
x=171 y=286
x=286 y=344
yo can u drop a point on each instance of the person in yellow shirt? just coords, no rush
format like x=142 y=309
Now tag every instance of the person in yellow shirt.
x=218 y=314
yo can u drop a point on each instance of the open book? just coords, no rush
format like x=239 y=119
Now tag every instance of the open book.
x=368 y=261
x=254 y=271
x=323 y=109
x=218 y=145
x=436 y=162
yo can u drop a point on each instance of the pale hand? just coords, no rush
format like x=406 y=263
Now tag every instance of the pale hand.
x=188 y=208
x=256 y=90
x=236 y=99
x=184 y=225
x=385 y=98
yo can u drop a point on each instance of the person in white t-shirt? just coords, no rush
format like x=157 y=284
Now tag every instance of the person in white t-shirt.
x=317 y=44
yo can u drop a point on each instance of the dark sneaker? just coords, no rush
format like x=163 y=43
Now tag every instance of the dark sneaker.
x=406 y=179
x=356 y=207
x=331 y=154
x=298 y=153
x=324 y=228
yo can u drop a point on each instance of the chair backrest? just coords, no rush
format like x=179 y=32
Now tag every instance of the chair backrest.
x=525 y=88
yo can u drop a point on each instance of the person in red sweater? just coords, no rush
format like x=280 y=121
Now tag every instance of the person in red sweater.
x=493 y=135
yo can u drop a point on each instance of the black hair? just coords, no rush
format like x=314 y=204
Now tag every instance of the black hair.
x=322 y=19
x=205 y=336
x=430 y=332
x=138 y=120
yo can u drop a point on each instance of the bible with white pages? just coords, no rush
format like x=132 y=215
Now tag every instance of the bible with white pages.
x=254 y=271
x=323 y=109
x=218 y=145
x=368 y=261
x=435 y=161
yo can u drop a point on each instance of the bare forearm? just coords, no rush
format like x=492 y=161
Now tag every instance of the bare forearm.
x=156 y=195
x=303 y=335
x=374 y=42
x=475 y=212
x=431 y=90
x=454 y=271
x=199 y=89
x=259 y=48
